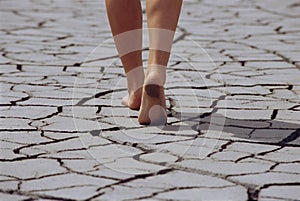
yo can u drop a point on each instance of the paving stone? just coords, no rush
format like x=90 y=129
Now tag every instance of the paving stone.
x=70 y=124
x=287 y=154
x=228 y=156
x=250 y=148
x=70 y=154
x=73 y=192
x=7 y=185
x=150 y=136
x=288 y=167
x=21 y=112
x=280 y=192
x=65 y=146
x=109 y=154
x=23 y=169
x=124 y=192
x=228 y=193
x=49 y=102
x=267 y=178
x=276 y=135
x=248 y=104
x=107 y=172
x=228 y=168
x=248 y=115
x=23 y=137
x=7 y=153
x=159 y=157
x=15 y=124
x=81 y=165
x=9 y=197
x=289 y=115
x=181 y=179
x=130 y=166
x=65 y=180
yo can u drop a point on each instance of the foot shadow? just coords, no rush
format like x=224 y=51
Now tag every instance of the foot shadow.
x=271 y=132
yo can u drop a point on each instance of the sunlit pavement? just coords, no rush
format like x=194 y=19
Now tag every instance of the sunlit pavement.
x=233 y=98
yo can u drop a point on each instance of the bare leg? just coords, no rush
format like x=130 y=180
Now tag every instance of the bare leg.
x=162 y=22
x=125 y=18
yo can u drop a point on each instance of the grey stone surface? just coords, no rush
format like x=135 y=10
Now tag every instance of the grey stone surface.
x=233 y=99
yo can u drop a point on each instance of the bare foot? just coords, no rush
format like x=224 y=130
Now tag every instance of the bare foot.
x=133 y=100
x=153 y=107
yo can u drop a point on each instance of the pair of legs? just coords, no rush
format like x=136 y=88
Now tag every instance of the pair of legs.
x=145 y=92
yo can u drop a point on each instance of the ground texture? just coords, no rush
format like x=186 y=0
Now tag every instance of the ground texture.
x=234 y=113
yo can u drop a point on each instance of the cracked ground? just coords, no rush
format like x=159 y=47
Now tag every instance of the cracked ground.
x=233 y=98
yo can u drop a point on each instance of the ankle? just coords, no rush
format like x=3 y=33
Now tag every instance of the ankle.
x=156 y=75
x=135 y=79
x=137 y=92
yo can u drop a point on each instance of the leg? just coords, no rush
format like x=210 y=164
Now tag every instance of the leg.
x=162 y=22
x=125 y=18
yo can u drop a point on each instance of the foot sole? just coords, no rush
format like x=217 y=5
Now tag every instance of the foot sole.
x=156 y=115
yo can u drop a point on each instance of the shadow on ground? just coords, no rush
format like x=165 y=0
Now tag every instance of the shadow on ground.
x=267 y=131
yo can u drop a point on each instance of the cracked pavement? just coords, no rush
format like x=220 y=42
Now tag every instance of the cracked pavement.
x=234 y=116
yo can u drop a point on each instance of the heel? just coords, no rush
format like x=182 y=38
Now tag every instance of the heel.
x=153 y=90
